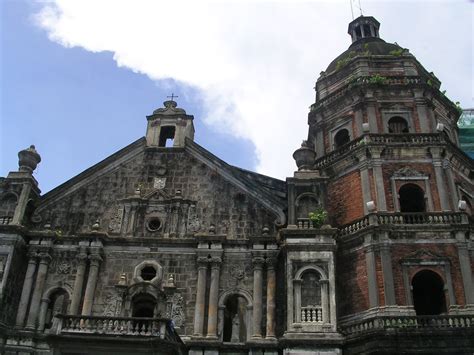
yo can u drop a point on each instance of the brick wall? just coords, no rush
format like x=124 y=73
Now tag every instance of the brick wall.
x=352 y=286
x=448 y=251
x=425 y=168
x=345 y=203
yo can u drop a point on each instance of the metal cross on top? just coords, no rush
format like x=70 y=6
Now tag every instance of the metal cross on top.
x=172 y=96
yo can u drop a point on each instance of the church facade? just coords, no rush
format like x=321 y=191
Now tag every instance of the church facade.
x=164 y=248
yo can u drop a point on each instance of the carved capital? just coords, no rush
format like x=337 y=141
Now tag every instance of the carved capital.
x=216 y=261
x=45 y=258
x=202 y=261
x=271 y=262
x=258 y=262
x=95 y=259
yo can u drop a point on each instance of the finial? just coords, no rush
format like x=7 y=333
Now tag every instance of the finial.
x=28 y=159
x=96 y=225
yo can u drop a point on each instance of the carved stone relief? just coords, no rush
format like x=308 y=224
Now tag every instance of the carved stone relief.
x=175 y=310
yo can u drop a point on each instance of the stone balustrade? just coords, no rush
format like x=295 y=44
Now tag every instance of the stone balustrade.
x=6 y=219
x=115 y=326
x=409 y=323
x=380 y=139
x=398 y=218
x=420 y=218
x=311 y=314
x=304 y=223
x=336 y=154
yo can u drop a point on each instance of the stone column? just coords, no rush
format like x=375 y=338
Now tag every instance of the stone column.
x=465 y=265
x=38 y=291
x=365 y=181
x=453 y=192
x=371 y=275
x=213 y=298
x=386 y=259
x=271 y=287
x=257 y=296
x=297 y=300
x=21 y=205
x=78 y=283
x=26 y=292
x=422 y=111
x=443 y=197
x=325 y=300
x=95 y=260
x=42 y=315
x=200 y=297
x=378 y=179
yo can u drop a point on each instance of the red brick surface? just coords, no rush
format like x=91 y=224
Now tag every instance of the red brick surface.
x=345 y=203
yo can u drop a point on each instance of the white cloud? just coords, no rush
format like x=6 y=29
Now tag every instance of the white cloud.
x=255 y=62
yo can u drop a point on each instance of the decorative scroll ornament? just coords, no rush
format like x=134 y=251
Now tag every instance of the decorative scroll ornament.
x=159 y=183
x=177 y=310
x=116 y=220
x=113 y=305
x=407 y=172
x=193 y=221
x=64 y=267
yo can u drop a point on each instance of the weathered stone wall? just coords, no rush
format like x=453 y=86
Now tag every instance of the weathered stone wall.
x=13 y=283
x=217 y=201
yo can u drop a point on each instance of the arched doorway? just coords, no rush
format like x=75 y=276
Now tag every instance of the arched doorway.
x=235 y=320
x=428 y=293
x=412 y=198
x=143 y=306
x=58 y=303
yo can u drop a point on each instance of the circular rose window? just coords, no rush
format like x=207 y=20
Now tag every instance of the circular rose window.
x=154 y=224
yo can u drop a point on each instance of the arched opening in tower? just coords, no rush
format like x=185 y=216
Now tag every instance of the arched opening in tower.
x=167 y=136
x=428 y=293
x=412 y=198
x=397 y=125
x=342 y=137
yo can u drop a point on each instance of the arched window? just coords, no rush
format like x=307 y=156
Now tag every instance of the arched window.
x=398 y=125
x=167 y=136
x=428 y=293
x=412 y=198
x=311 y=295
x=143 y=306
x=235 y=327
x=341 y=137
x=311 y=310
x=305 y=204
x=58 y=303
x=7 y=207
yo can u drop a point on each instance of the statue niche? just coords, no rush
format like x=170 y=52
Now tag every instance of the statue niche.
x=235 y=327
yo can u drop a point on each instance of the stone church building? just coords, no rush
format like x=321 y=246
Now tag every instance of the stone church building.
x=164 y=248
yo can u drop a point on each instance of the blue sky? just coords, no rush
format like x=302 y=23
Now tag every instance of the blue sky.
x=78 y=107
x=78 y=78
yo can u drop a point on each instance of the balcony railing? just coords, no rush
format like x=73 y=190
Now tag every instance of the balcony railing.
x=6 y=219
x=409 y=322
x=311 y=314
x=408 y=219
x=420 y=218
x=116 y=326
x=381 y=139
